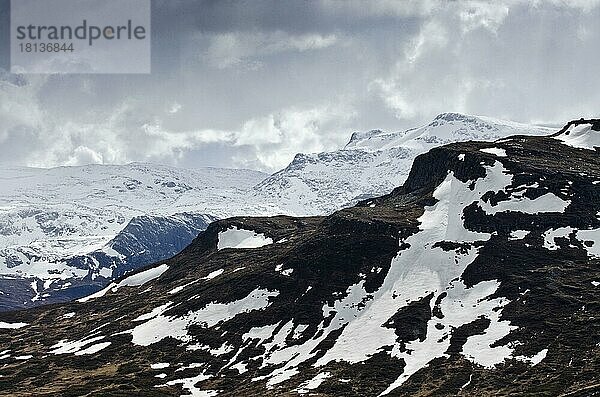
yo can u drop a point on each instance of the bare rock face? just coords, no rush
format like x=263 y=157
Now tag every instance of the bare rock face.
x=479 y=276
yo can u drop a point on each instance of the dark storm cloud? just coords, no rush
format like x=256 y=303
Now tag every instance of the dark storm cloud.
x=218 y=16
x=177 y=22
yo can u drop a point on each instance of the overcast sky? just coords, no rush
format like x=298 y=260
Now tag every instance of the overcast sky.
x=251 y=83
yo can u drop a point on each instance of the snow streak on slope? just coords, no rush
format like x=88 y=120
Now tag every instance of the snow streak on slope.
x=134 y=280
x=423 y=269
x=163 y=326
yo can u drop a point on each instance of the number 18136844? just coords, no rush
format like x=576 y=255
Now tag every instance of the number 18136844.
x=46 y=47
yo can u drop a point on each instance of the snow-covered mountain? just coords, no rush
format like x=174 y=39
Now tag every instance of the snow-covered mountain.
x=63 y=230
x=479 y=276
x=374 y=162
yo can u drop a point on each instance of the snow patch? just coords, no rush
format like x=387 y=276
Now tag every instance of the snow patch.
x=106 y=272
x=552 y=234
x=242 y=238
x=181 y=287
x=461 y=306
x=591 y=235
x=286 y=272
x=190 y=385
x=313 y=383
x=468 y=382
x=548 y=202
x=155 y=312
x=160 y=327
x=518 y=234
x=260 y=333
x=98 y=294
x=142 y=278
x=299 y=330
x=93 y=348
x=4 y=325
x=240 y=367
x=495 y=151
x=214 y=274
x=536 y=359
x=134 y=280
x=66 y=347
x=478 y=347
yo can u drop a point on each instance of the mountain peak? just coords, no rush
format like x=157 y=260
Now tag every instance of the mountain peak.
x=444 y=128
x=363 y=135
x=452 y=116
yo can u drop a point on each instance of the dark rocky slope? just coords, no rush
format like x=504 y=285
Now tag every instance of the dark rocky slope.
x=479 y=277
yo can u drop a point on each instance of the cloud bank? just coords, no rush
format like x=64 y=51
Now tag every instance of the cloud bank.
x=250 y=84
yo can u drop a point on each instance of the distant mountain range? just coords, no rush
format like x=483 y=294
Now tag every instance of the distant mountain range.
x=68 y=231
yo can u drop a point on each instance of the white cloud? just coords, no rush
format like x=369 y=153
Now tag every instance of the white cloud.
x=482 y=14
x=246 y=48
x=497 y=59
x=275 y=138
x=84 y=155
x=584 y=5
x=432 y=35
x=32 y=136
x=175 y=107
x=128 y=134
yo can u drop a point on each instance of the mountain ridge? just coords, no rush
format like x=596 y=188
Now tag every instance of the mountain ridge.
x=375 y=164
